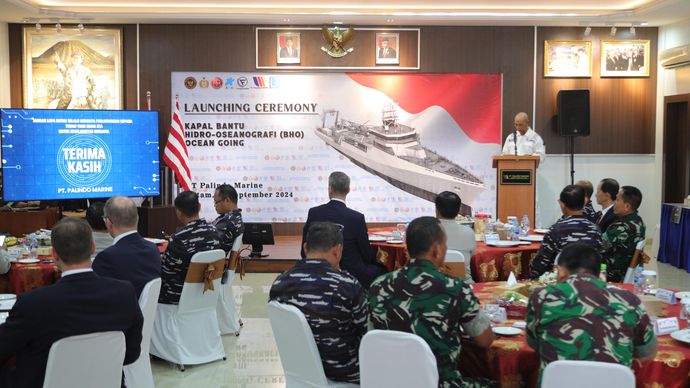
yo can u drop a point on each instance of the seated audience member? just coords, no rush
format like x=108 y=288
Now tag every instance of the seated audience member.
x=229 y=222
x=5 y=263
x=195 y=235
x=420 y=299
x=622 y=236
x=81 y=302
x=94 y=216
x=573 y=319
x=606 y=195
x=460 y=237
x=358 y=256
x=572 y=227
x=130 y=258
x=333 y=301
x=588 y=209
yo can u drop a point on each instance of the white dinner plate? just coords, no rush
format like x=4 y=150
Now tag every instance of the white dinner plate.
x=373 y=237
x=394 y=241
x=155 y=240
x=504 y=243
x=28 y=261
x=6 y=305
x=7 y=296
x=384 y=234
x=682 y=294
x=520 y=324
x=541 y=231
x=532 y=237
x=3 y=317
x=506 y=330
x=681 y=335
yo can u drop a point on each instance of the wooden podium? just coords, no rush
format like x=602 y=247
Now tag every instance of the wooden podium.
x=515 y=186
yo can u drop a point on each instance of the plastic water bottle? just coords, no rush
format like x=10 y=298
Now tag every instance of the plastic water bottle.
x=491 y=226
x=602 y=273
x=525 y=226
x=516 y=230
x=638 y=280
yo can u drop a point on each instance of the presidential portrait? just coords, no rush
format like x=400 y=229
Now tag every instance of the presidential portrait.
x=387 y=48
x=625 y=58
x=72 y=69
x=288 y=47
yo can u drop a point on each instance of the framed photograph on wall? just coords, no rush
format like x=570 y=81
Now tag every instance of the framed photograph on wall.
x=288 y=47
x=567 y=58
x=72 y=69
x=387 y=48
x=625 y=58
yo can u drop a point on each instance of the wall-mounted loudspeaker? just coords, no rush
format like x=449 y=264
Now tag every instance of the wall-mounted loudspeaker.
x=573 y=112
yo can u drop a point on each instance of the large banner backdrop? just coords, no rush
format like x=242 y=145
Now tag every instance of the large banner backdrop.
x=402 y=138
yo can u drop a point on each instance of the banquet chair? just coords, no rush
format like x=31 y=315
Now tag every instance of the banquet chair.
x=590 y=374
x=138 y=374
x=377 y=369
x=455 y=263
x=297 y=348
x=228 y=316
x=88 y=360
x=188 y=333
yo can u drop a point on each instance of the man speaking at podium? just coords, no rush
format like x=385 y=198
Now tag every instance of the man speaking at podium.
x=524 y=141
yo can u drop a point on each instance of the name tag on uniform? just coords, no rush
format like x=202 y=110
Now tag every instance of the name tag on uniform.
x=666 y=296
x=666 y=326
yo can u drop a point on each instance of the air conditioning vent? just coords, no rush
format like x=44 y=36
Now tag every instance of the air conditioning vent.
x=675 y=57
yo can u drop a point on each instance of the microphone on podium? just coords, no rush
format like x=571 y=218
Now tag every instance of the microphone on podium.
x=515 y=142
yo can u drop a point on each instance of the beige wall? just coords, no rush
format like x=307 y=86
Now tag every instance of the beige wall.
x=4 y=66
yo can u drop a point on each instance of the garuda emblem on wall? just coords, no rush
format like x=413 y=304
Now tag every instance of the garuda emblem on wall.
x=337 y=38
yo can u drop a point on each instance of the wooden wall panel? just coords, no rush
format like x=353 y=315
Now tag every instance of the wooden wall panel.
x=622 y=110
x=16 y=43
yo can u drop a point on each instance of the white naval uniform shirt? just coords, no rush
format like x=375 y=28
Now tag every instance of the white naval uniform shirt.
x=528 y=144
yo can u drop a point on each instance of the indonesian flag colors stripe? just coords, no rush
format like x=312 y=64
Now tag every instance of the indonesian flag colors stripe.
x=175 y=154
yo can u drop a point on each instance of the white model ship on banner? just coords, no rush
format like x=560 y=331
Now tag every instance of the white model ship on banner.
x=393 y=152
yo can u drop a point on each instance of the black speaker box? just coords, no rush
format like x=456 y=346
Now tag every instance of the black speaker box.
x=573 y=112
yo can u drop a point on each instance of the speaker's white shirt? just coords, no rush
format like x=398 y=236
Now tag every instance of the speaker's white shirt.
x=528 y=144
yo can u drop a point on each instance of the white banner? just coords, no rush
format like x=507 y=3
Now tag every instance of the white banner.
x=402 y=138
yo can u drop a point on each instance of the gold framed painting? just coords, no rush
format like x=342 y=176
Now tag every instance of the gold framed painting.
x=72 y=69
x=567 y=58
x=625 y=58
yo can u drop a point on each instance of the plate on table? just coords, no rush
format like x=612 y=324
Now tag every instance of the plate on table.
x=541 y=231
x=7 y=297
x=506 y=330
x=683 y=294
x=374 y=237
x=28 y=261
x=6 y=305
x=681 y=335
x=532 y=237
x=3 y=317
x=394 y=241
x=504 y=243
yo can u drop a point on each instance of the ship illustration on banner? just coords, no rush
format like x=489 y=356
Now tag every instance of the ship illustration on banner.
x=394 y=152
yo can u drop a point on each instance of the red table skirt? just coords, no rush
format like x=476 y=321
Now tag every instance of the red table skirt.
x=26 y=277
x=513 y=363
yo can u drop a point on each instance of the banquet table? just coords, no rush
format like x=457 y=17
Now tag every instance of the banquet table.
x=26 y=277
x=514 y=364
x=488 y=263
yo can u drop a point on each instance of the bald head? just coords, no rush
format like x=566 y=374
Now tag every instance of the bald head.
x=521 y=122
x=122 y=214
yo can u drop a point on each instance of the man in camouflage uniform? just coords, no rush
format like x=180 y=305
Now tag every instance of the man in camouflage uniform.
x=579 y=318
x=588 y=210
x=196 y=235
x=572 y=227
x=419 y=299
x=229 y=222
x=332 y=300
x=621 y=238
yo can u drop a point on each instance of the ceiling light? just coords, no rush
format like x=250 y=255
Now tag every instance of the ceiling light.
x=38 y=27
x=632 y=30
x=286 y=19
x=588 y=30
x=58 y=27
x=389 y=20
x=644 y=24
x=80 y=27
x=338 y=23
x=613 y=30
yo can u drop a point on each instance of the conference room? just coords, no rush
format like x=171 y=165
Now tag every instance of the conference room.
x=515 y=124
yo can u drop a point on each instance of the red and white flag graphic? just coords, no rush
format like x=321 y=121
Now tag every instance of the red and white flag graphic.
x=175 y=154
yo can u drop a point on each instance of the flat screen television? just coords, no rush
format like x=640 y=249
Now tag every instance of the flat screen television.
x=52 y=154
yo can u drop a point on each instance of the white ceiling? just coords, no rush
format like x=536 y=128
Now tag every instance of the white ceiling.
x=362 y=12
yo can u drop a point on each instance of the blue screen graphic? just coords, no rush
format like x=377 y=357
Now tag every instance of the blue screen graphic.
x=69 y=154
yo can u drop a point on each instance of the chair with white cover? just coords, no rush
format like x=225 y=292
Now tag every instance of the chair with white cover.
x=188 y=334
x=228 y=316
x=297 y=348
x=377 y=369
x=590 y=374
x=455 y=263
x=88 y=360
x=138 y=374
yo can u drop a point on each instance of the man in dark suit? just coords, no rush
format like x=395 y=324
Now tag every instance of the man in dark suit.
x=130 y=258
x=606 y=196
x=80 y=303
x=289 y=51
x=359 y=259
x=385 y=51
